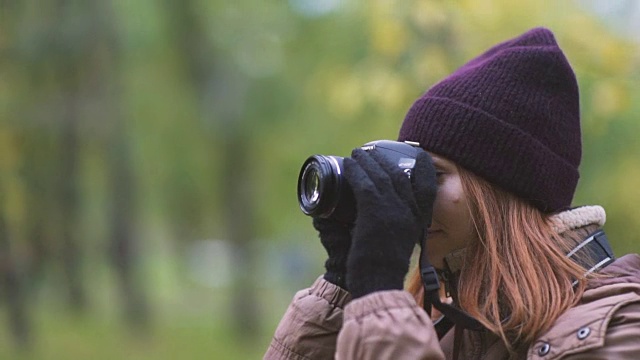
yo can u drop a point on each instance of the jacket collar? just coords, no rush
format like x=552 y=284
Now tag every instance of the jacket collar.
x=625 y=269
x=578 y=218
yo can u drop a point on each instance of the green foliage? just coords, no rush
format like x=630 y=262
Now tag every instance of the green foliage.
x=176 y=80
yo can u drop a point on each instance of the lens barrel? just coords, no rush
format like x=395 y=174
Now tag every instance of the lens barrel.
x=324 y=192
x=320 y=185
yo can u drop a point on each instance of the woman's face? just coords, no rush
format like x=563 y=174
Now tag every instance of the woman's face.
x=451 y=228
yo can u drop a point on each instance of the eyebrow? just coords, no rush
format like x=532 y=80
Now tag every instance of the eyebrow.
x=439 y=162
x=436 y=160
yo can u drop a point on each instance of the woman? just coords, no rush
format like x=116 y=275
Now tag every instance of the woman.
x=528 y=276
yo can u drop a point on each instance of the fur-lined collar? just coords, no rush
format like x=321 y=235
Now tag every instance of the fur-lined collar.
x=578 y=218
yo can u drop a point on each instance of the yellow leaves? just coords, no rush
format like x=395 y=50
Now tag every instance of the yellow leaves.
x=339 y=90
x=432 y=65
x=346 y=92
x=625 y=181
x=596 y=47
x=345 y=95
x=389 y=33
x=429 y=15
x=11 y=187
x=609 y=100
x=9 y=151
x=385 y=88
x=609 y=97
x=578 y=24
x=15 y=199
x=616 y=55
x=485 y=12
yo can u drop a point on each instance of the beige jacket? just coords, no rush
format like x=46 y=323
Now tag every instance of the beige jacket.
x=322 y=322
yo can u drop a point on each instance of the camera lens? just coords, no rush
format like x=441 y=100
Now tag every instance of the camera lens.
x=319 y=185
x=312 y=186
x=324 y=192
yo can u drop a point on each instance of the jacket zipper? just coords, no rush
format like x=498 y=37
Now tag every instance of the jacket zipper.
x=446 y=278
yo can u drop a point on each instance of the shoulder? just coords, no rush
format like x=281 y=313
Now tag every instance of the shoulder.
x=311 y=323
x=607 y=321
x=387 y=325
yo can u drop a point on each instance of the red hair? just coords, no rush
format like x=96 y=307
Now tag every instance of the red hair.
x=516 y=278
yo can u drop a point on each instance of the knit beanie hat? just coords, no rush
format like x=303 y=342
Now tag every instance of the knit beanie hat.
x=511 y=116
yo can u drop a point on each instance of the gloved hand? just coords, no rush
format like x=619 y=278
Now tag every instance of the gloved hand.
x=392 y=216
x=336 y=239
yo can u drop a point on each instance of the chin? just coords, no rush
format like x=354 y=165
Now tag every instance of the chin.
x=437 y=262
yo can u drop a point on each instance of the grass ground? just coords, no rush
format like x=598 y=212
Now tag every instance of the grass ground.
x=189 y=320
x=195 y=325
x=60 y=336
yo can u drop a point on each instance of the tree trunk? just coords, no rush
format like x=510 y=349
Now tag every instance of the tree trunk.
x=124 y=244
x=13 y=289
x=68 y=199
x=240 y=220
x=124 y=254
x=222 y=92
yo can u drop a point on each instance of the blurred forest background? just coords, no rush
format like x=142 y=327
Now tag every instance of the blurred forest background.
x=149 y=151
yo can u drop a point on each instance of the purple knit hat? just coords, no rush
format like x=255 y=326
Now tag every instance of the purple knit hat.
x=511 y=116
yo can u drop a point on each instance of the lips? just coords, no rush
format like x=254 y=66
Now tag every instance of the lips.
x=433 y=231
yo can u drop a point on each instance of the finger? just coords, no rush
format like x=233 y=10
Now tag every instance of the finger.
x=361 y=185
x=425 y=184
x=373 y=169
x=424 y=172
x=399 y=179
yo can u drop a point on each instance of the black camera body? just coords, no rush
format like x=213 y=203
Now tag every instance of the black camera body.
x=324 y=192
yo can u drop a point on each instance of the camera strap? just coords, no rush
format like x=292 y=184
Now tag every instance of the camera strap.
x=593 y=253
x=451 y=314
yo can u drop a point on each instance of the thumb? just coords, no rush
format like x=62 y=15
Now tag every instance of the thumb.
x=425 y=185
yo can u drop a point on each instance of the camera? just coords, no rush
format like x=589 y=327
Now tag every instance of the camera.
x=324 y=192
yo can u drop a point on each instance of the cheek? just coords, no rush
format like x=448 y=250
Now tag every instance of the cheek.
x=448 y=200
x=450 y=207
x=456 y=196
x=459 y=207
x=444 y=206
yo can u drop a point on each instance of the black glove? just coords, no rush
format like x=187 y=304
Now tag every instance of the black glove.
x=336 y=239
x=392 y=216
